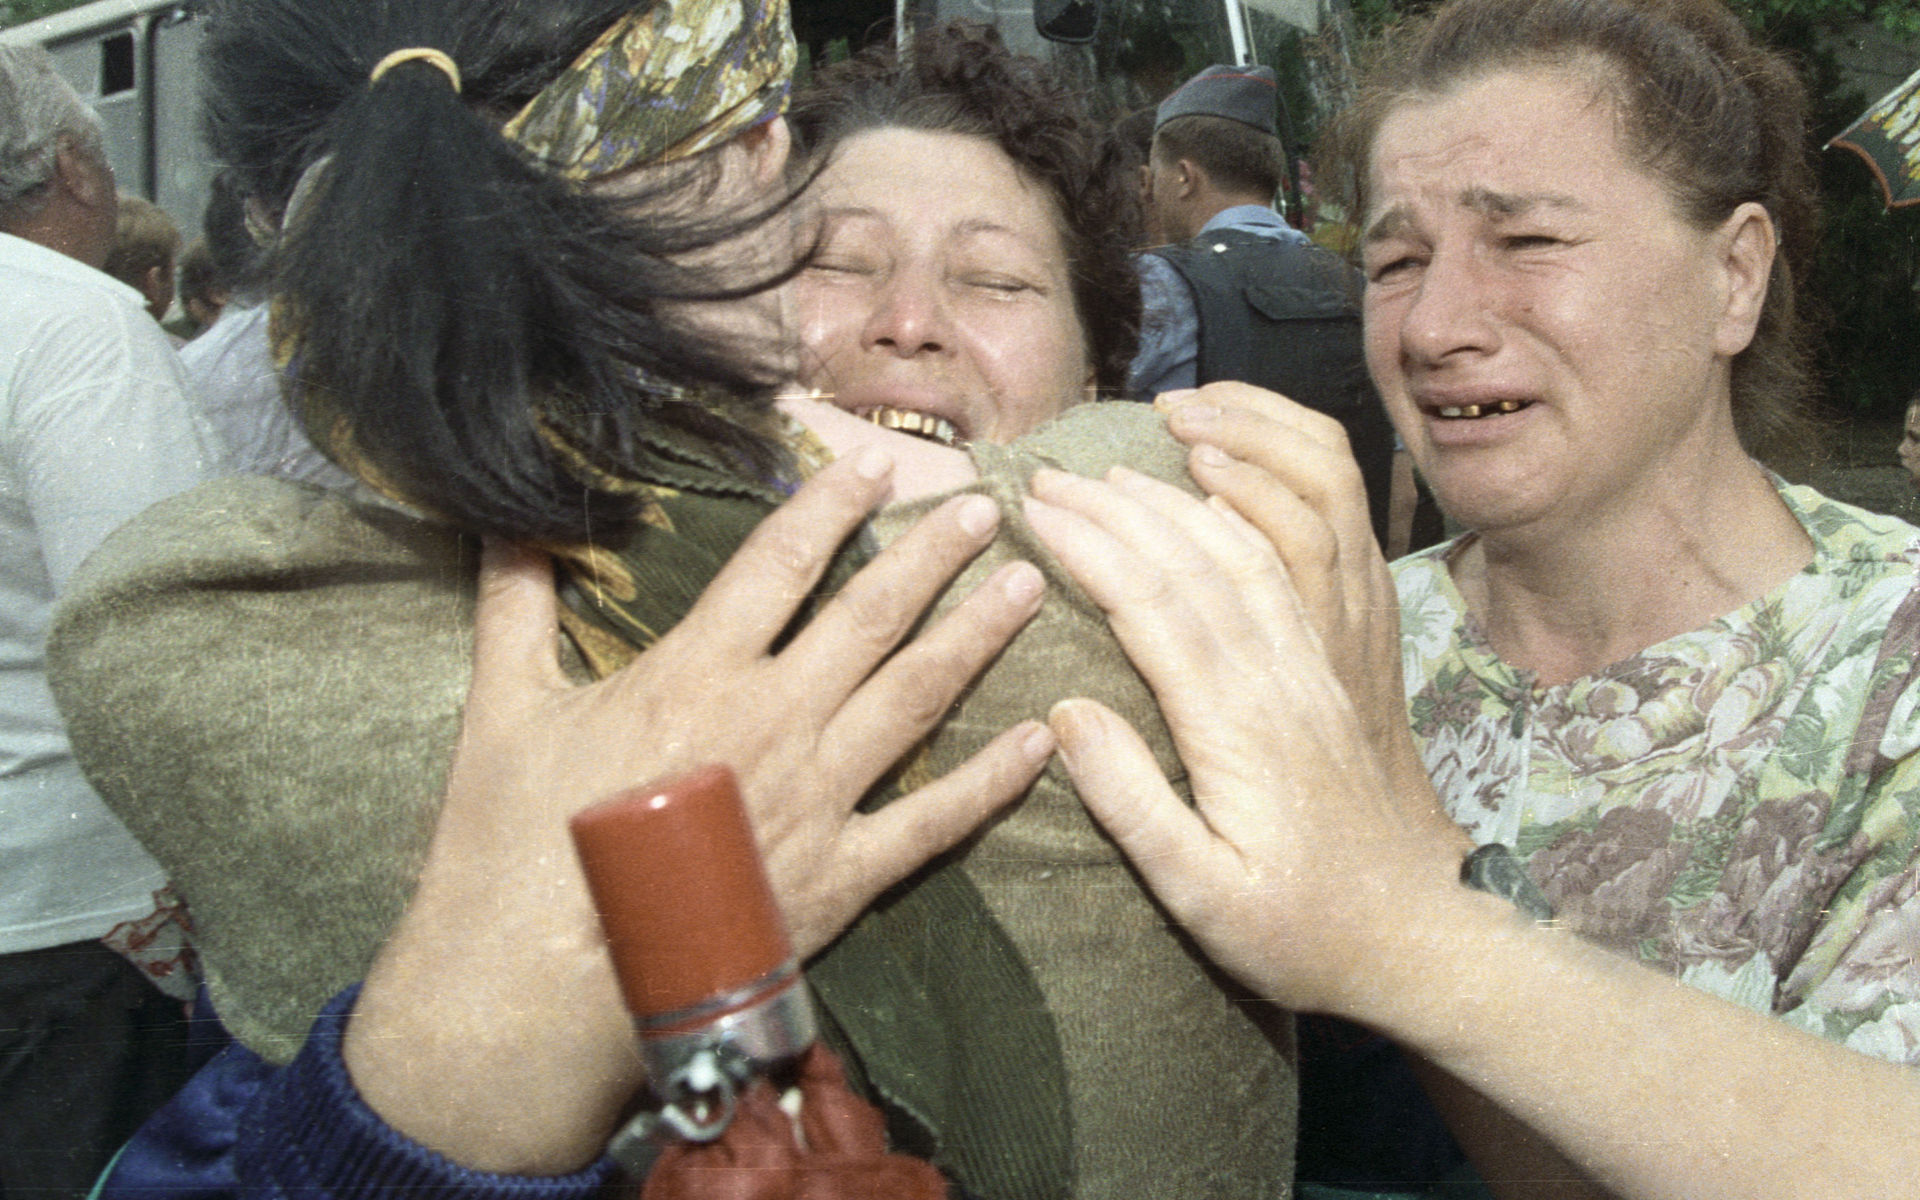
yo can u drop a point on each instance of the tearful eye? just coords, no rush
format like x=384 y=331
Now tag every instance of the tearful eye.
x=839 y=266
x=1386 y=269
x=998 y=283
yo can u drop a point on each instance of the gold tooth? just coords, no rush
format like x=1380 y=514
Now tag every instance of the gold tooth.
x=1471 y=411
x=906 y=421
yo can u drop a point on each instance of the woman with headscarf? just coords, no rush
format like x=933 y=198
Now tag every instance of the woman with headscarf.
x=520 y=365
x=522 y=257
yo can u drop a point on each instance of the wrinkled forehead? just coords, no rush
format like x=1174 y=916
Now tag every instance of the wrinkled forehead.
x=1496 y=142
x=936 y=178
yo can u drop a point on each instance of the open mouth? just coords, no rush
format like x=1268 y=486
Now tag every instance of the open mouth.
x=1473 y=412
x=919 y=424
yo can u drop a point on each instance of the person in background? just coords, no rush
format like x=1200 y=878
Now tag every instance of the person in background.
x=203 y=291
x=94 y=427
x=1909 y=448
x=1240 y=294
x=145 y=244
x=234 y=382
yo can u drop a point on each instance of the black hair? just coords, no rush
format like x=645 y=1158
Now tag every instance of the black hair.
x=454 y=295
x=962 y=79
x=234 y=259
x=1238 y=158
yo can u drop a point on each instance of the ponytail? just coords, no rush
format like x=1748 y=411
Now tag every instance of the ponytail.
x=452 y=301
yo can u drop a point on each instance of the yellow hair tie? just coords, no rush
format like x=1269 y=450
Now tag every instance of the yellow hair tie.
x=422 y=53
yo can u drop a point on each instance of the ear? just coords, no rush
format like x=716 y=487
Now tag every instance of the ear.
x=80 y=174
x=767 y=145
x=1745 y=245
x=1190 y=175
x=155 y=282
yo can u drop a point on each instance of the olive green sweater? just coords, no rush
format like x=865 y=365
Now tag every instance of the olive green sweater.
x=265 y=683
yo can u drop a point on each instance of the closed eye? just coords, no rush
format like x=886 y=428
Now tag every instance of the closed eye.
x=1387 y=268
x=998 y=283
x=840 y=266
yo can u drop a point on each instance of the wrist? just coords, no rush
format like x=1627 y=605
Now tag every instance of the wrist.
x=313 y=1132
x=1428 y=961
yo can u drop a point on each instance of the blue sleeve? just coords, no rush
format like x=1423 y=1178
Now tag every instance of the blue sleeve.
x=244 y=1128
x=1169 y=354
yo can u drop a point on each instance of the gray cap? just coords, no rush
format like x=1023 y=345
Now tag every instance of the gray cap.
x=1244 y=94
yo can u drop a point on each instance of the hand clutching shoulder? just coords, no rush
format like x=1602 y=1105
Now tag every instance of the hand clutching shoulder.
x=495 y=986
x=1295 y=859
x=1289 y=472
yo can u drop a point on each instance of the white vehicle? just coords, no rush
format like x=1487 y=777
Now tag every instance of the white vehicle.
x=138 y=63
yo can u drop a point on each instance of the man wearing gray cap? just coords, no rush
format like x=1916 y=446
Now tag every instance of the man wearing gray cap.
x=1240 y=294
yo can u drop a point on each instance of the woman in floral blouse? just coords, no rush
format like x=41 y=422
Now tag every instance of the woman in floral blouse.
x=1678 y=691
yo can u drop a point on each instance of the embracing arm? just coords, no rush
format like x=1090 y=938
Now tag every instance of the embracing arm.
x=1323 y=874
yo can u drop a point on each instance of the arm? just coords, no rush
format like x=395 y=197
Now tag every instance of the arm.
x=243 y=1127
x=1169 y=354
x=500 y=937
x=1329 y=883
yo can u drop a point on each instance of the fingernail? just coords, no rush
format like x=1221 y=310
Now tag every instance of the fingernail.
x=1168 y=401
x=977 y=515
x=1076 y=727
x=871 y=462
x=1192 y=415
x=1046 y=478
x=1038 y=511
x=1038 y=743
x=1023 y=584
x=1211 y=456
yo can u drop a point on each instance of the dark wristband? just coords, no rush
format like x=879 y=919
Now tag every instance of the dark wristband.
x=1493 y=869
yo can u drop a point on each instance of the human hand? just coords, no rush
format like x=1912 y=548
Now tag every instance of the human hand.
x=495 y=986
x=1297 y=866
x=1289 y=472
x=807 y=731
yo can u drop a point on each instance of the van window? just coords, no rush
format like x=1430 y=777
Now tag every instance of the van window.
x=116 y=64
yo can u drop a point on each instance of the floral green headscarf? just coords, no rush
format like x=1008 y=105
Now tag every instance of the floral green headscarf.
x=663 y=83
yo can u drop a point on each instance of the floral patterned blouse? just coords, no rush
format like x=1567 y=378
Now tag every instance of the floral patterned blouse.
x=1738 y=806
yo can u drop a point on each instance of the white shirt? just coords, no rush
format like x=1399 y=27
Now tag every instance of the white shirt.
x=234 y=385
x=94 y=427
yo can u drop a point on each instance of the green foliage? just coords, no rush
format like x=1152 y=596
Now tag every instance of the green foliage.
x=19 y=12
x=1863 y=283
x=1897 y=16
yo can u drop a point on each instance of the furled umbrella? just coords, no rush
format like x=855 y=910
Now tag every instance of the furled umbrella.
x=1888 y=137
